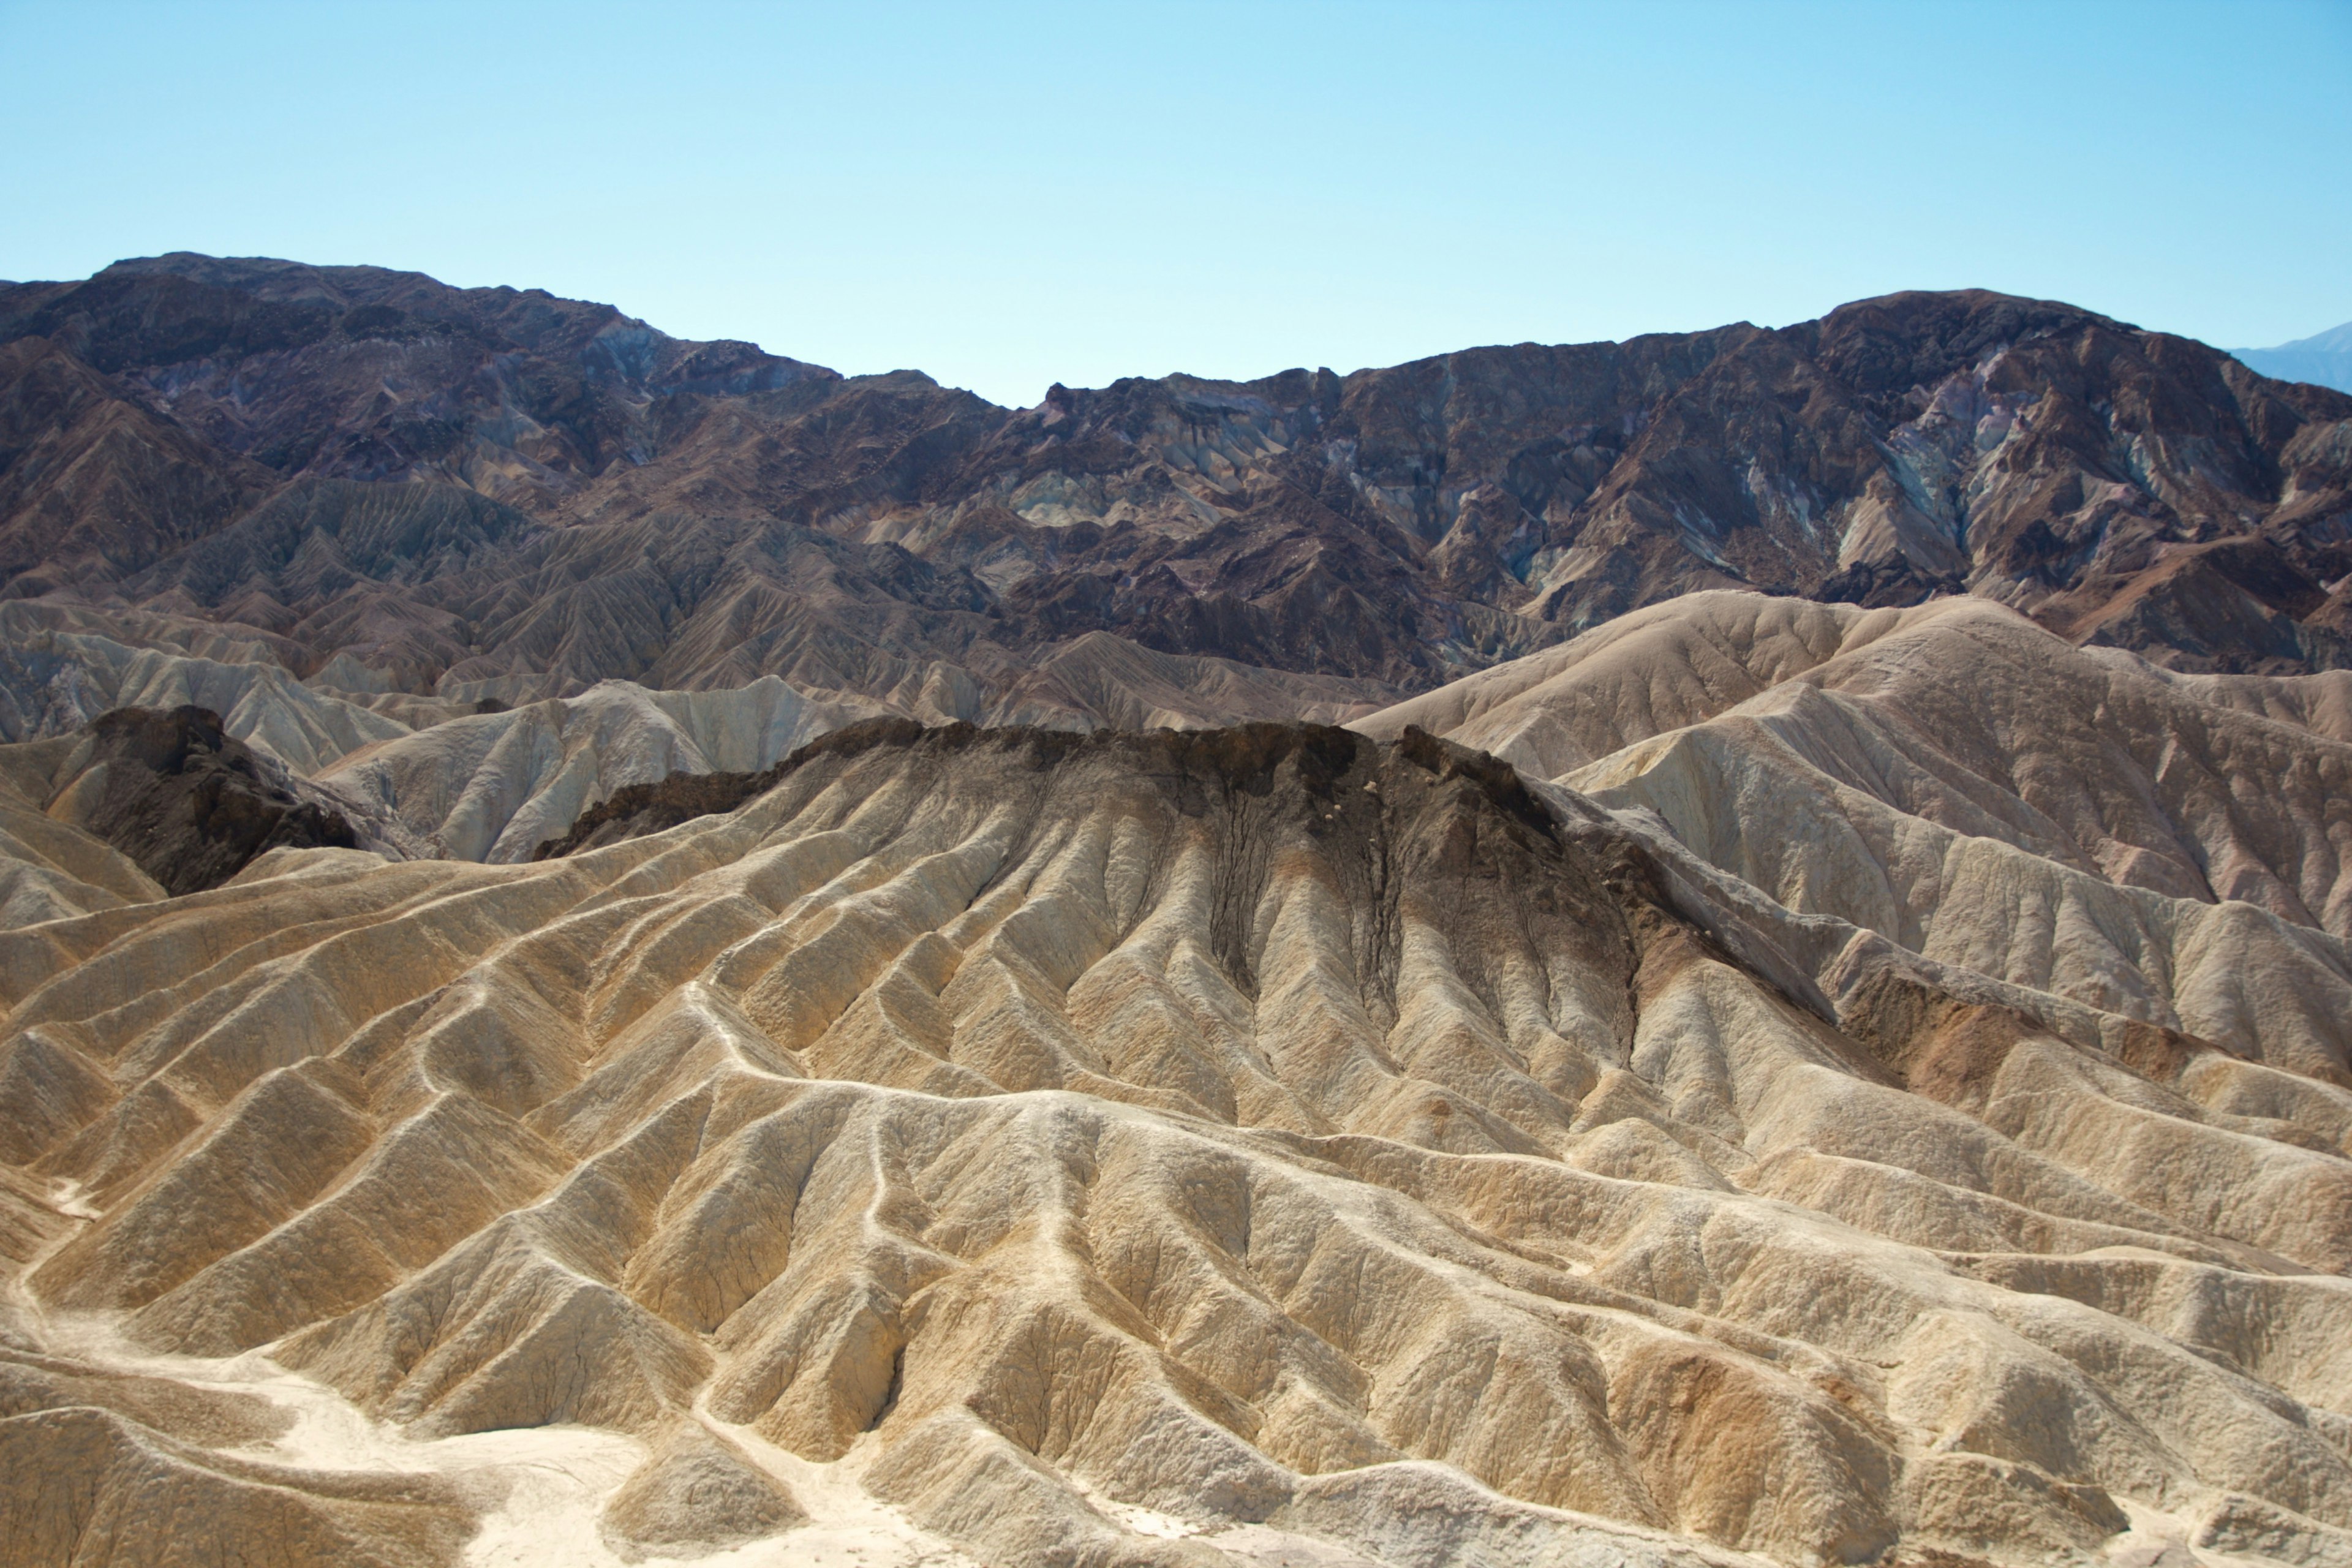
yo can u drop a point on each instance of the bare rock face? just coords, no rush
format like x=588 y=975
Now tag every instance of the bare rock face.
x=637 y=809
x=614 y=950
x=1973 y=789
x=88 y=1485
x=553 y=495
x=491 y=785
x=188 y=804
x=1179 y=1148
x=93 y=483
x=485 y=780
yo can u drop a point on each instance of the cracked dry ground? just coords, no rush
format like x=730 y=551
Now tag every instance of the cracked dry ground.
x=1266 y=1145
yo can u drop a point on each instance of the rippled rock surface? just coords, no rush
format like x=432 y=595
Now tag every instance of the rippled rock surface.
x=1169 y=1148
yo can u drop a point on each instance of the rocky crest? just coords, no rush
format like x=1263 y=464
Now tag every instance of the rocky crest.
x=491 y=493
x=190 y=805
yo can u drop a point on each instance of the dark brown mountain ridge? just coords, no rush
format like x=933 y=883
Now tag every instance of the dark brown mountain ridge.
x=495 y=493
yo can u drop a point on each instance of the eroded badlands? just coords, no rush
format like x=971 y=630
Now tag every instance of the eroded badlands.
x=1264 y=1145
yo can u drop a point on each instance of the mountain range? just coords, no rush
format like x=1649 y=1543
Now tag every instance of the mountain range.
x=1728 y=949
x=388 y=485
x=2323 y=358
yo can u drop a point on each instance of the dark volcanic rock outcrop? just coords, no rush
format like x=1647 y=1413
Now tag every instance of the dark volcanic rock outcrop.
x=191 y=804
x=634 y=810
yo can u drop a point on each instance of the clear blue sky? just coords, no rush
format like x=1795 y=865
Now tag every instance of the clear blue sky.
x=1007 y=196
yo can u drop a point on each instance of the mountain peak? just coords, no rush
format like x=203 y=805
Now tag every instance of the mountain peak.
x=2324 y=359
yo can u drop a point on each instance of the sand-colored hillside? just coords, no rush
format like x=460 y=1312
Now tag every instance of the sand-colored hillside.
x=2073 y=821
x=1263 y=1146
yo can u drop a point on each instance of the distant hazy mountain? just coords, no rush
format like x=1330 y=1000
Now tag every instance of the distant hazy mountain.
x=2324 y=360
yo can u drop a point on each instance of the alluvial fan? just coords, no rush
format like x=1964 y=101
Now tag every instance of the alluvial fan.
x=1259 y=1145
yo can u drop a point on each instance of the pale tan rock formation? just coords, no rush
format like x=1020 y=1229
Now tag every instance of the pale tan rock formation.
x=1264 y=1145
x=696 y=1494
x=431 y=774
x=1638 y=675
x=86 y=1485
x=495 y=787
x=2161 y=848
x=49 y=869
x=61 y=667
x=1102 y=681
x=491 y=786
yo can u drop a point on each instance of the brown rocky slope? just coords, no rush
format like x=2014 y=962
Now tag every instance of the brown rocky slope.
x=491 y=493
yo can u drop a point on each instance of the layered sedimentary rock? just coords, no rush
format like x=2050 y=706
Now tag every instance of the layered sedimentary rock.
x=61 y=667
x=492 y=786
x=478 y=780
x=1957 y=779
x=461 y=494
x=533 y=1028
x=1254 y=1145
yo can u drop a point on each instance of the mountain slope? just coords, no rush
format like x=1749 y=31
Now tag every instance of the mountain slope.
x=486 y=493
x=2162 y=848
x=1197 y=1144
x=2324 y=359
x=535 y=1027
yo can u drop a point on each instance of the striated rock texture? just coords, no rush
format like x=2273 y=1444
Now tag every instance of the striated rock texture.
x=86 y=1485
x=535 y=1027
x=470 y=494
x=1256 y=1145
x=696 y=1494
x=479 y=779
x=2162 y=848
